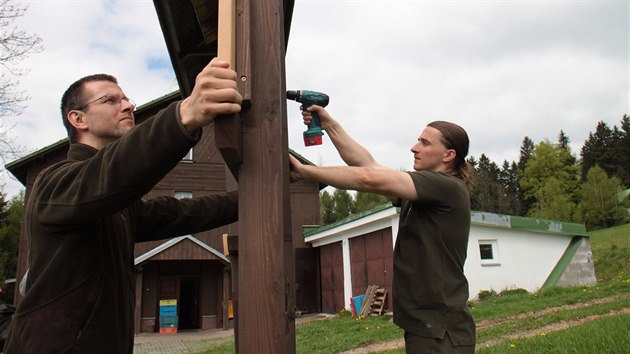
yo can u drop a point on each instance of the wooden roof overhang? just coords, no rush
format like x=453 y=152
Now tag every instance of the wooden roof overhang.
x=190 y=30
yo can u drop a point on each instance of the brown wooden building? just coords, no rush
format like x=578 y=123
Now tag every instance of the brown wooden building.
x=191 y=268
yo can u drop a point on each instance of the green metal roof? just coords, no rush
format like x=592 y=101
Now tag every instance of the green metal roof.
x=528 y=224
x=479 y=218
x=40 y=152
x=311 y=230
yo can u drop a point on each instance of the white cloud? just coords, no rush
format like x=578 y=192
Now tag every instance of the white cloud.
x=503 y=70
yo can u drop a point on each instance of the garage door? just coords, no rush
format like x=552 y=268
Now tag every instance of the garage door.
x=331 y=264
x=371 y=258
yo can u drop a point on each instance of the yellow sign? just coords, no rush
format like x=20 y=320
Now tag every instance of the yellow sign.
x=168 y=302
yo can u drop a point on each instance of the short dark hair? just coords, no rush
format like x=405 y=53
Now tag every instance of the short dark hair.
x=73 y=98
x=455 y=137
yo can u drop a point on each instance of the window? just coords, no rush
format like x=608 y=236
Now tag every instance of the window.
x=489 y=252
x=486 y=251
x=182 y=195
x=189 y=156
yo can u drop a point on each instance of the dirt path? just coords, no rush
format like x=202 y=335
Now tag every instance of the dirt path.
x=494 y=322
x=399 y=344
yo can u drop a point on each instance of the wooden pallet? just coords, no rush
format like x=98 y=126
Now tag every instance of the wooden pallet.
x=374 y=301
x=379 y=302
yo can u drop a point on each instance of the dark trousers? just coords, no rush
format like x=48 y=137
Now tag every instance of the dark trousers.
x=415 y=344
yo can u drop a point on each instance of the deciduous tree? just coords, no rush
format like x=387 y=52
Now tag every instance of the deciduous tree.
x=600 y=205
x=15 y=46
x=548 y=162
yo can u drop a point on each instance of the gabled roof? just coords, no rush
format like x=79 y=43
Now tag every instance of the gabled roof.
x=172 y=243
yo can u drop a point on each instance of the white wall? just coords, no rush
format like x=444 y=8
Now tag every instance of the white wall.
x=525 y=259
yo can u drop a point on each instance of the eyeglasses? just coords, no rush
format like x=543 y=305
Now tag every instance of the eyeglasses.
x=108 y=99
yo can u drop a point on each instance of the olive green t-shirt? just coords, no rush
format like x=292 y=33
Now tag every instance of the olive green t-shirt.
x=430 y=290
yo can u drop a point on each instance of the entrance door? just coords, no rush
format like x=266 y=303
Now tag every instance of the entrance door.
x=186 y=291
x=189 y=303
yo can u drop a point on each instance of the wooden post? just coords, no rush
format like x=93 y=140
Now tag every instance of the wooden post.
x=230 y=246
x=265 y=277
x=266 y=283
x=139 y=292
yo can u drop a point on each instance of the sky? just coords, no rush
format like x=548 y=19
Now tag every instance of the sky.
x=503 y=70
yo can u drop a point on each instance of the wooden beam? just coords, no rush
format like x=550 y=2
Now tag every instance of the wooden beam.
x=226 y=44
x=228 y=129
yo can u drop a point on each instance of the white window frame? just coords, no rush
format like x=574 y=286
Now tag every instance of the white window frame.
x=494 y=246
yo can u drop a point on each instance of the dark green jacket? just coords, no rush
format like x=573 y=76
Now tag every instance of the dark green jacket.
x=430 y=289
x=83 y=217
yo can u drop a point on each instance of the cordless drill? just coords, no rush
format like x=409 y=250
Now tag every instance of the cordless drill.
x=313 y=134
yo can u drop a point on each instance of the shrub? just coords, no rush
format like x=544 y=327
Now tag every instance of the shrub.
x=486 y=294
x=345 y=313
x=517 y=291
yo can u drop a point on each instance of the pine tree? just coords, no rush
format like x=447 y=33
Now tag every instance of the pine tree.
x=508 y=180
x=10 y=228
x=343 y=204
x=326 y=208
x=565 y=143
x=487 y=190
x=526 y=151
x=365 y=201
x=623 y=169
x=599 y=149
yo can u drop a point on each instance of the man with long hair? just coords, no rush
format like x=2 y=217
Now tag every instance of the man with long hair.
x=430 y=289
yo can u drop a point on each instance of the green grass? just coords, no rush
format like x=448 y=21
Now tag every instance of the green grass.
x=611 y=251
x=617 y=236
x=344 y=332
x=332 y=335
x=503 y=306
x=501 y=316
x=540 y=320
x=605 y=335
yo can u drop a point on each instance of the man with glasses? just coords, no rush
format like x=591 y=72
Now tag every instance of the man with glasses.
x=84 y=214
